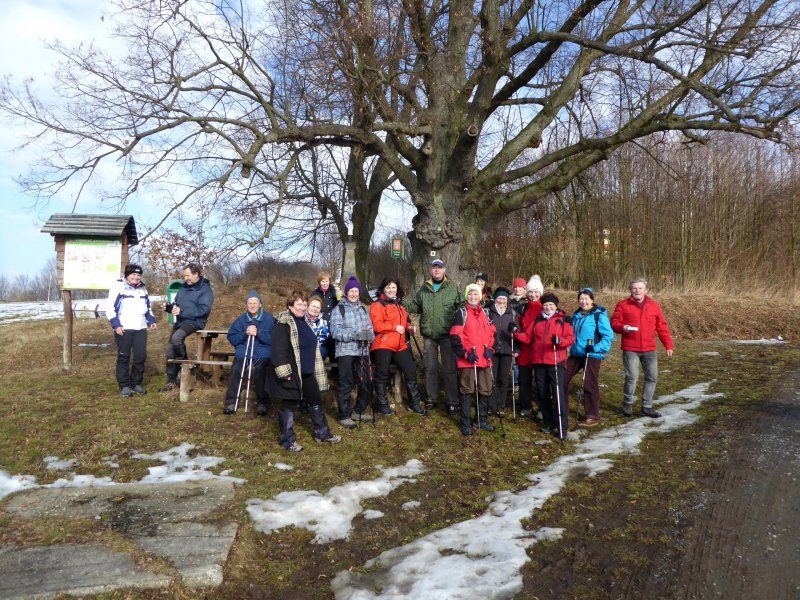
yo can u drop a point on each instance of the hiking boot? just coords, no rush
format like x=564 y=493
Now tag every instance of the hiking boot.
x=126 y=391
x=588 y=422
x=385 y=411
x=466 y=431
x=486 y=426
x=261 y=410
x=348 y=422
x=627 y=410
x=228 y=410
x=363 y=417
x=295 y=447
x=431 y=405
x=548 y=430
x=170 y=387
x=650 y=412
x=334 y=439
x=525 y=413
x=417 y=409
x=452 y=411
x=138 y=389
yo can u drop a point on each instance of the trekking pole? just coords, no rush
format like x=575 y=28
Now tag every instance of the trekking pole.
x=583 y=387
x=249 y=373
x=419 y=350
x=369 y=382
x=477 y=408
x=499 y=412
x=513 y=383
x=558 y=395
x=241 y=375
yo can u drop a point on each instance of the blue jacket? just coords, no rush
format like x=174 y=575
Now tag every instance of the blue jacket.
x=591 y=327
x=322 y=331
x=195 y=303
x=263 y=343
x=347 y=320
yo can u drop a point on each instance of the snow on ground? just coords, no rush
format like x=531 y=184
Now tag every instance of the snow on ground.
x=762 y=342
x=708 y=354
x=16 y=312
x=411 y=505
x=330 y=515
x=487 y=552
x=177 y=467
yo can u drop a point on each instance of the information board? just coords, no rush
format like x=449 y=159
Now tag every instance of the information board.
x=91 y=264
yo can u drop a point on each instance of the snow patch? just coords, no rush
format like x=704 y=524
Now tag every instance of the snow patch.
x=373 y=514
x=53 y=463
x=283 y=467
x=708 y=354
x=411 y=505
x=329 y=516
x=177 y=467
x=488 y=552
x=761 y=342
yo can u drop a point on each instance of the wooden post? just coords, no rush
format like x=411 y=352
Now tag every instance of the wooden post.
x=66 y=296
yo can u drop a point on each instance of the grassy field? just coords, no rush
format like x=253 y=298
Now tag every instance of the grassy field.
x=625 y=515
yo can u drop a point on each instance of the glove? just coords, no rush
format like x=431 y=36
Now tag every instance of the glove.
x=363 y=335
x=168 y=307
x=488 y=353
x=555 y=340
x=472 y=357
x=513 y=327
x=589 y=347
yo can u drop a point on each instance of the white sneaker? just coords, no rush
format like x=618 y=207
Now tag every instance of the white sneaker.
x=295 y=447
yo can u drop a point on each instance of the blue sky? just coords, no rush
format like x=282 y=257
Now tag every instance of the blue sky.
x=23 y=29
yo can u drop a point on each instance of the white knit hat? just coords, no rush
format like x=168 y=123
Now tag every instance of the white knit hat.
x=535 y=283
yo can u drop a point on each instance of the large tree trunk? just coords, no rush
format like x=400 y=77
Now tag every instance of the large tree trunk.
x=444 y=228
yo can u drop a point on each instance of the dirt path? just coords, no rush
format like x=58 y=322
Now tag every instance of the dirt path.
x=745 y=539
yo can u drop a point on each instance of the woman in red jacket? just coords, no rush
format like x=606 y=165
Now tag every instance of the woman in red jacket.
x=552 y=337
x=524 y=341
x=472 y=339
x=391 y=324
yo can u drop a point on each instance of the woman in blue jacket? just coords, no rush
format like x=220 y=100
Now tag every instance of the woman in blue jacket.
x=255 y=324
x=593 y=337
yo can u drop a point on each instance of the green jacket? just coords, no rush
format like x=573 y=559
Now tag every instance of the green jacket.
x=435 y=308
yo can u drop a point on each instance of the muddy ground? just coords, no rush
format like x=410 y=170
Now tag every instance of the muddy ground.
x=736 y=536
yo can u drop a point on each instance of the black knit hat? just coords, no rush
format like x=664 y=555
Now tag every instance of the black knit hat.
x=132 y=268
x=501 y=291
x=549 y=297
x=483 y=276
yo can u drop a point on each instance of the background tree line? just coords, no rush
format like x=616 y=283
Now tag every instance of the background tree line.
x=719 y=216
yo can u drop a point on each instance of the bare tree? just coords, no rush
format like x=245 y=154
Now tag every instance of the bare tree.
x=475 y=110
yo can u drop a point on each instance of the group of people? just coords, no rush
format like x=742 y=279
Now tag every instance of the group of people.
x=474 y=343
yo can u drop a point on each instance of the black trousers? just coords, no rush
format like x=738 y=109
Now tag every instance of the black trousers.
x=552 y=393
x=383 y=358
x=526 y=388
x=132 y=343
x=354 y=371
x=501 y=371
x=258 y=380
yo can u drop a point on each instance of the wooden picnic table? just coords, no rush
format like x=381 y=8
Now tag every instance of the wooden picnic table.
x=205 y=337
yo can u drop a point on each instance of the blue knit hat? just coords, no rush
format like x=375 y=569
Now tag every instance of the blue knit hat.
x=588 y=291
x=253 y=294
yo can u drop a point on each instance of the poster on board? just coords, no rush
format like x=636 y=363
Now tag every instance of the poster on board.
x=91 y=264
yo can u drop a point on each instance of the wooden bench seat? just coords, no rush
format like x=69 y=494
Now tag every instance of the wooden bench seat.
x=188 y=365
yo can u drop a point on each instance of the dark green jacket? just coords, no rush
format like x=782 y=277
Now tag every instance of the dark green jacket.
x=435 y=308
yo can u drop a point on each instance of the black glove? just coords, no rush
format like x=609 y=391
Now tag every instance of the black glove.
x=589 y=347
x=364 y=335
x=488 y=353
x=513 y=327
x=168 y=307
x=472 y=357
x=556 y=340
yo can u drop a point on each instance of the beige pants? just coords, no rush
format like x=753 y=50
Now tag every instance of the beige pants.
x=466 y=381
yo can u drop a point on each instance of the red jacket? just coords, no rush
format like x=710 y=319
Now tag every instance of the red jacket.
x=648 y=317
x=541 y=331
x=386 y=315
x=471 y=329
x=525 y=335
